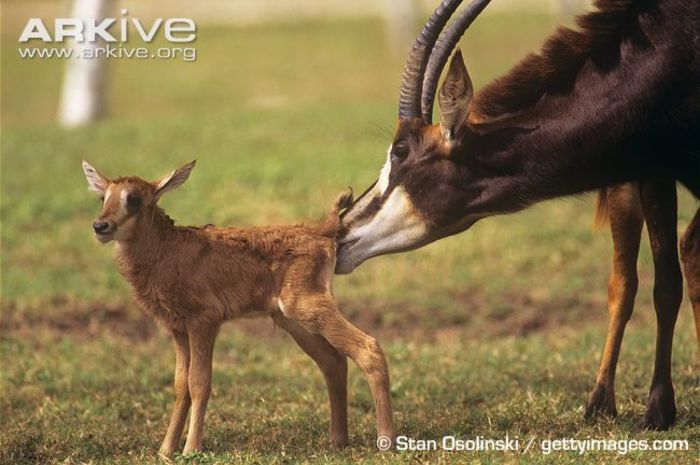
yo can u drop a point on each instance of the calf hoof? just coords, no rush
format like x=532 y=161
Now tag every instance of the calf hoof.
x=601 y=402
x=661 y=408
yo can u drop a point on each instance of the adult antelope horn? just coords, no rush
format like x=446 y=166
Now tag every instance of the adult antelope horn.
x=441 y=52
x=413 y=71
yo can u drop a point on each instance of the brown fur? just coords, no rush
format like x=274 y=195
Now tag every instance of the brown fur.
x=561 y=57
x=628 y=206
x=623 y=207
x=193 y=279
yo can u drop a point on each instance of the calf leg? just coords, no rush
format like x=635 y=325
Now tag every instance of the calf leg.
x=660 y=212
x=626 y=221
x=318 y=313
x=690 y=254
x=334 y=367
x=182 y=395
x=201 y=339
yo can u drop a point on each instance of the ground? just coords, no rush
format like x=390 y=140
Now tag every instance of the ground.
x=496 y=331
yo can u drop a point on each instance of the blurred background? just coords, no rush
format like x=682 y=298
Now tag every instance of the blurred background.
x=286 y=104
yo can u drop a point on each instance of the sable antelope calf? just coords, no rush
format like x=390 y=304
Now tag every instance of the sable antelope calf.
x=191 y=280
x=615 y=101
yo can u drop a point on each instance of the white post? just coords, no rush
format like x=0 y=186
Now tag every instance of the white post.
x=84 y=82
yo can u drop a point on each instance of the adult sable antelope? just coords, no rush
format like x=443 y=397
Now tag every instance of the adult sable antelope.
x=615 y=101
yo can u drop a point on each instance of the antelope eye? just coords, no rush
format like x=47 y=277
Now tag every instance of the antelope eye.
x=133 y=201
x=400 y=151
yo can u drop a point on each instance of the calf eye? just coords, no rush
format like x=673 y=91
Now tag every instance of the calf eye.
x=133 y=201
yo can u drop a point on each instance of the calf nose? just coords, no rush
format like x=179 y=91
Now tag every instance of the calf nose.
x=100 y=226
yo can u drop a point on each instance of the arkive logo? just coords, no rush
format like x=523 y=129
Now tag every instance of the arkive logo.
x=111 y=30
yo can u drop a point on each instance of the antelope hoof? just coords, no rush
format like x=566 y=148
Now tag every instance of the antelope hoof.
x=601 y=402
x=661 y=408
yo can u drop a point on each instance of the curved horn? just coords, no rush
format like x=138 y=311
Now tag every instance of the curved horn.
x=413 y=71
x=441 y=52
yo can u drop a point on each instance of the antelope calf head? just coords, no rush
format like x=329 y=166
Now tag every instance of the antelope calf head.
x=126 y=201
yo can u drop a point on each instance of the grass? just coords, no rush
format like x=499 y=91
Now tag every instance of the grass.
x=92 y=399
x=495 y=331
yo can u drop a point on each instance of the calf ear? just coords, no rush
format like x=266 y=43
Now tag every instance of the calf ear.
x=455 y=98
x=176 y=178
x=96 y=182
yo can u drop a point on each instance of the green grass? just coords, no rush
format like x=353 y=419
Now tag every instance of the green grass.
x=496 y=330
x=106 y=399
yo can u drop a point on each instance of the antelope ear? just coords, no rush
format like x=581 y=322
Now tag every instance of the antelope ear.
x=455 y=98
x=175 y=179
x=96 y=182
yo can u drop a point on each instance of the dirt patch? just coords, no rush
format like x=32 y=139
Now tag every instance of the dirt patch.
x=522 y=314
x=515 y=314
x=63 y=316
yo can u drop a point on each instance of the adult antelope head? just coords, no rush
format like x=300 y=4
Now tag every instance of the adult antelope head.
x=611 y=102
x=422 y=193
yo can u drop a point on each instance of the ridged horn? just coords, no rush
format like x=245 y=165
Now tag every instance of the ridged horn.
x=417 y=61
x=441 y=52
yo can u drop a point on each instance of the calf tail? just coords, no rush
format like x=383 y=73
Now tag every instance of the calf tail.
x=343 y=201
x=331 y=226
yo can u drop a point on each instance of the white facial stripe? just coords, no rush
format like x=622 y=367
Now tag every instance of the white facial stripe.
x=108 y=194
x=122 y=197
x=383 y=182
x=396 y=225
